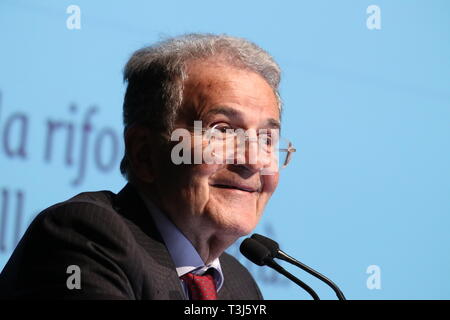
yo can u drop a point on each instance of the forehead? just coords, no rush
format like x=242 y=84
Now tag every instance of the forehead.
x=214 y=86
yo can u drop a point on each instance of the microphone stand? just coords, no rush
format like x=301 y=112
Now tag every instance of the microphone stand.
x=283 y=256
x=272 y=264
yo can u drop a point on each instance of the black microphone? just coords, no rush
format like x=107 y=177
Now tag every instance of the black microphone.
x=260 y=255
x=275 y=252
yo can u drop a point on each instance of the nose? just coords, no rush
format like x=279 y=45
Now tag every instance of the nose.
x=251 y=158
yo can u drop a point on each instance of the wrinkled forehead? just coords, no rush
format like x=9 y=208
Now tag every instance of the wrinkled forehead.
x=215 y=89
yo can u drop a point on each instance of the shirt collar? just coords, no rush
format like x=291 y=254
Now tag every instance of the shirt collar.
x=183 y=253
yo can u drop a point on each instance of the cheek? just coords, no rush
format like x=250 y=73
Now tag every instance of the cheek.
x=196 y=185
x=270 y=183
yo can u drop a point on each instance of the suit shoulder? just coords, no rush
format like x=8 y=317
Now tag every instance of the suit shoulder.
x=93 y=199
x=85 y=231
x=86 y=212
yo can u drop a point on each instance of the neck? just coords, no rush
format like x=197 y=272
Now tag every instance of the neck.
x=208 y=240
x=208 y=245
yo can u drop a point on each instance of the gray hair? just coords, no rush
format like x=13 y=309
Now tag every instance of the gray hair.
x=156 y=75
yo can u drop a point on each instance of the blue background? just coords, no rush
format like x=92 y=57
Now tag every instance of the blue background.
x=368 y=110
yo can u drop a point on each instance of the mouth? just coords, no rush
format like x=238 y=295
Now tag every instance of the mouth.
x=236 y=186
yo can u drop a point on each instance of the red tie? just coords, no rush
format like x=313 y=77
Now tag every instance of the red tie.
x=200 y=287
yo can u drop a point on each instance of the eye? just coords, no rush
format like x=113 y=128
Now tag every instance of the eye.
x=218 y=132
x=222 y=127
x=265 y=140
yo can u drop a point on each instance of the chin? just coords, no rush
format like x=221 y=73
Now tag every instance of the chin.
x=237 y=223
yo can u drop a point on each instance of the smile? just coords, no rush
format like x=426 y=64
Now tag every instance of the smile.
x=240 y=187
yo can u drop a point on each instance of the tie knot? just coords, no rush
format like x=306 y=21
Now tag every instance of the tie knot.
x=200 y=287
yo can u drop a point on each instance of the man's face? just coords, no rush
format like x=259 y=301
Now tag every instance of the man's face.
x=225 y=197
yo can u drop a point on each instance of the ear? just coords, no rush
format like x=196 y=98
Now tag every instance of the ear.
x=139 y=148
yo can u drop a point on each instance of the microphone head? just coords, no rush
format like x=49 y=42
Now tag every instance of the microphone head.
x=271 y=245
x=255 y=252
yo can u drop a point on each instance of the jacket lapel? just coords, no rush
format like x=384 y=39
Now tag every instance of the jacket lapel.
x=165 y=282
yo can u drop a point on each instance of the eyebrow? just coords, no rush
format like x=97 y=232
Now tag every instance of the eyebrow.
x=234 y=113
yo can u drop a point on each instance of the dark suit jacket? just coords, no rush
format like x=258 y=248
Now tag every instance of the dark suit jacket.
x=114 y=241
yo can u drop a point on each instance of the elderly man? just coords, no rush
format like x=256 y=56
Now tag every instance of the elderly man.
x=163 y=236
